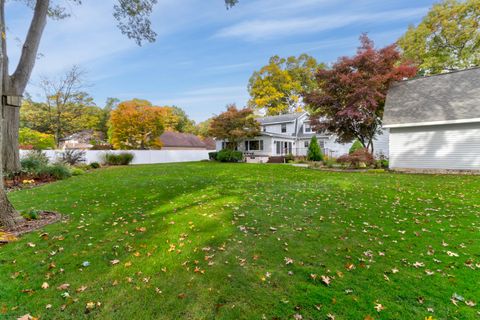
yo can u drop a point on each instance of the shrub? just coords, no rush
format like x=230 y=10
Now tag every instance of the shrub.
x=227 y=155
x=357 y=145
x=29 y=138
x=213 y=156
x=289 y=158
x=358 y=159
x=31 y=214
x=95 y=165
x=381 y=164
x=120 y=159
x=314 y=152
x=73 y=157
x=33 y=162
x=58 y=171
x=77 y=171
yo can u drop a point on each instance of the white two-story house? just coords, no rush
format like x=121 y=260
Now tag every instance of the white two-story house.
x=291 y=134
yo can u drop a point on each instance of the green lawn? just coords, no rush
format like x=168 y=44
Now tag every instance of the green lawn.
x=238 y=241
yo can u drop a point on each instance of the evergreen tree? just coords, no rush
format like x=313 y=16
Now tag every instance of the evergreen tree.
x=314 y=152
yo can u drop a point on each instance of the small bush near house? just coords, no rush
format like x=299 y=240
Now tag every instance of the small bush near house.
x=95 y=165
x=289 y=158
x=120 y=159
x=73 y=157
x=329 y=162
x=361 y=158
x=381 y=164
x=33 y=162
x=58 y=171
x=357 y=145
x=226 y=155
x=213 y=156
x=77 y=171
x=314 y=152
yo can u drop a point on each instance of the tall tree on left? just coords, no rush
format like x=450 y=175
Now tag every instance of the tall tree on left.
x=133 y=18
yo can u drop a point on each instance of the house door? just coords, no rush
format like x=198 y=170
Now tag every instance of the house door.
x=283 y=147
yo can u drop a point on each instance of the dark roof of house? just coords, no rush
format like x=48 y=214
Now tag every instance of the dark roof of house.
x=209 y=143
x=281 y=118
x=179 y=140
x=443 y=97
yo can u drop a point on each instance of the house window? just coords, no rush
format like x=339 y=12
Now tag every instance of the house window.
x=321 y=143
x=253 y=145
x=264 y=129
x=307 y=128
x=228 y=145
x=284 y=128
x=307 y=143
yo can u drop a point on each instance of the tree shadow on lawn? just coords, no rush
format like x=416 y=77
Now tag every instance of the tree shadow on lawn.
x=210 y=201
x=149 y=260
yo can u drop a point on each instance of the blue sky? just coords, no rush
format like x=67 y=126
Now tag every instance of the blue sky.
x=204 y=54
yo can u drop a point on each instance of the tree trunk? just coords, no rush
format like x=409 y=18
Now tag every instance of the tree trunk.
x=9 y=217
x=10 y=153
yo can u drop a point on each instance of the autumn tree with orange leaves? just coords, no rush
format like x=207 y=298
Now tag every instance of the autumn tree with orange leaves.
x=136 y=124
x=234 y=125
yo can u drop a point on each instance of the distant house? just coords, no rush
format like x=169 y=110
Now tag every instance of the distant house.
x=82 y=140
x=181 y=141
x=291 y=134
x=434 y=122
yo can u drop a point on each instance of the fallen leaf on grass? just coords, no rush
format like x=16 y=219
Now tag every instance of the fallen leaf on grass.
x=326 y=280
x=27 y=317
x=45 y=286
x=90 y=306
x=470 y=303
x=64 y=286
x=82 y=289
x=379 y=307
x=114 y=262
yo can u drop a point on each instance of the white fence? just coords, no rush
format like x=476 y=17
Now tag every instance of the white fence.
x=141 y=156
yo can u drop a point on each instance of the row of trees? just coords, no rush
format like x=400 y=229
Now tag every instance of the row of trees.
x=67 y=109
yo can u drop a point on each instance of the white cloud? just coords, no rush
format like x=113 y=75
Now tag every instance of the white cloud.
x=261 y=29
x=201 y=101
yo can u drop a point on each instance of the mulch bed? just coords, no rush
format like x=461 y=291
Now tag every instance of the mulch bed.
x=26 y=226
x=18 y=184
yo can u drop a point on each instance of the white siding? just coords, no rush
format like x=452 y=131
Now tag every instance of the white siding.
x=455 y=147
x=380 y=145
x=277 y=128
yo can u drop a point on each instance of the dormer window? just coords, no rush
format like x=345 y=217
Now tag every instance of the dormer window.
x=264 y=128
x=307 y=128
x=284 y=128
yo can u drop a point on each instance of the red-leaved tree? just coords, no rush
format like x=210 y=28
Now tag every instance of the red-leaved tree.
x=351 y=96
x=234 y=125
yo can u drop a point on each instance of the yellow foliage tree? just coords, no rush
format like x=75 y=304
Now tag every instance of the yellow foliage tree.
x=277 y=88
x=136 y=124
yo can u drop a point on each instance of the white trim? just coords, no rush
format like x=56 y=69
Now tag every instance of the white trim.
x=277 y=122
x=431 y=123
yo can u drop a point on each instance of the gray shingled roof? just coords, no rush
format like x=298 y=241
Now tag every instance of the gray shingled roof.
x=450 y=96
x=281 y=118
x=179 y=140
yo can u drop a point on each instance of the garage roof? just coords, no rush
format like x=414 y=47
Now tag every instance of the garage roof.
x=440 y=99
